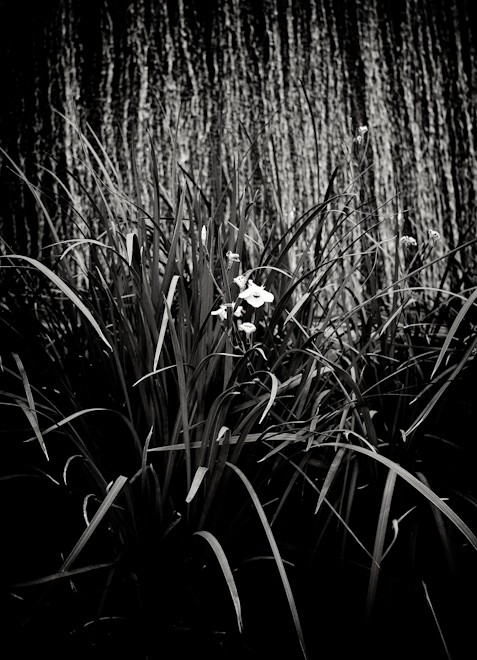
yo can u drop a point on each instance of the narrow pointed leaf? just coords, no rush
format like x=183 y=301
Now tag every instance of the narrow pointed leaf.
x=162 y=331
x=458 y=319
x=97 y=518
x=62 y=286
x=196 y=481
x=276 y=554
x=229 y=578
x=34 y=424
x=415 y=483
x=64 y=574
x=379 y=539
x=330 y=475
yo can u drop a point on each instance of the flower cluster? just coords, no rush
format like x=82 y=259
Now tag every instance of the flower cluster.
x=232 y=258
x=255 y=295
x=361 y=132
x=408 y=241
x=252 y=293
x=433 y=235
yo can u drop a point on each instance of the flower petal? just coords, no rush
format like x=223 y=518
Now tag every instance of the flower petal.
x=247 y=327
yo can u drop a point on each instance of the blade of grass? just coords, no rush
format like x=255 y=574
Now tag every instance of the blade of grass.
x=36 y=193
x=464 y=361
x=65 y=289
x=333 y=511
x=229 y=578
x=395 y=526
x=144 y=458
x=162 y=331
x=64 y=574
x=415 y=483
x=429 y=602
x=330 y=475
x=70 y=418
x=276 y=554
x=197 y=480
x=444 y=536
x=361 y=405
x=97 y=518
x=379 y=540
x=29 y=410
x=182 y=392
x=273 y=394
x=458 y=319
x=26 y=384
x=171 y=264
x=217 y=472
x=34 y=424
x=153 y=373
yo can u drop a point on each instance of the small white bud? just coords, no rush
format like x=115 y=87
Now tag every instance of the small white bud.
x=247 y=327
x=408 y=240
x=433 y=235
x=233 y=256
x=241 y=281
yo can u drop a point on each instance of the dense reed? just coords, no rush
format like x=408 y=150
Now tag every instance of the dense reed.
x=228 y=434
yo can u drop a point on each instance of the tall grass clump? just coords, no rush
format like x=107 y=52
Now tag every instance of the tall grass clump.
x=230 y=433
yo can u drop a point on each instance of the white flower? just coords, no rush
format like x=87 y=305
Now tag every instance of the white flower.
x=221 y=312
x=256 y=295
x=232 y=257
x=362 y=130
x=408 y=240
x=241 y=281
x=239 y=311
x=247 y=327
x=433 y=235
x=203 y=236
